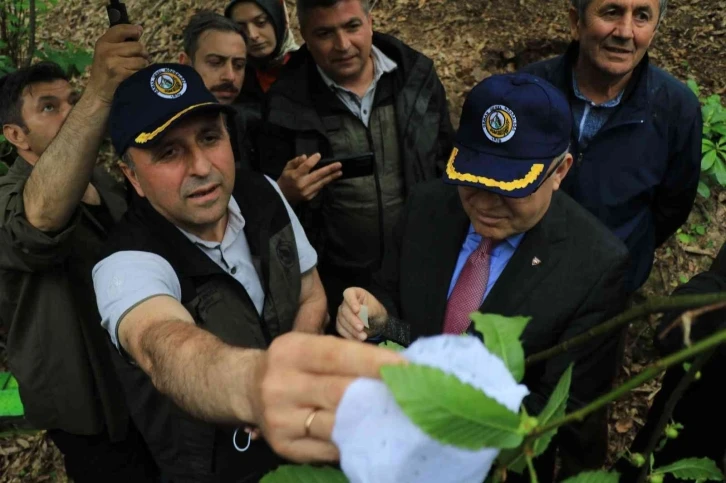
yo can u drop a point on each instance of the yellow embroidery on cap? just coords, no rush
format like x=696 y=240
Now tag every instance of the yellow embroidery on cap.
x=145 y=137
x=515 y=184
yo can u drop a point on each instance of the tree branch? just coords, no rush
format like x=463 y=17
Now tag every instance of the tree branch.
x=651 y=372
x=31 y=34
x=687 y=318
x=652 y=306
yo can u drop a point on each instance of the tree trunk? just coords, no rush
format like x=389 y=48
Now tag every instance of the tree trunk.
x=31 y=34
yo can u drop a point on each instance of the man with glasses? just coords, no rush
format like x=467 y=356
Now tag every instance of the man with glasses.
x=497 y=236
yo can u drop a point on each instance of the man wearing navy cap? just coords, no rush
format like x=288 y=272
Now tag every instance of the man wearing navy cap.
x=200 y=246
x=498 y=236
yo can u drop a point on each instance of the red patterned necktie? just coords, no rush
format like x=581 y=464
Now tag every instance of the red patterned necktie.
x=469 y=289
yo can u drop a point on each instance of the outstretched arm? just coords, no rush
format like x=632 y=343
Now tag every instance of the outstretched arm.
x=62 y=173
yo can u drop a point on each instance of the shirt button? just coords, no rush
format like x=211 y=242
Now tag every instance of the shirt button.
x=234 y=270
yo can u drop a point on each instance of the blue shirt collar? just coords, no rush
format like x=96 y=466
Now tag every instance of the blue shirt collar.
x=513 y=241
x=578 y=93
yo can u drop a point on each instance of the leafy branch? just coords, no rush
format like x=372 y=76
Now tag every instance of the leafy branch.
x=652 y=306
x=651 y=372
x=458 y=414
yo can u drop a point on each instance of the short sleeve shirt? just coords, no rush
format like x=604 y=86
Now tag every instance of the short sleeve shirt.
x=127 y=278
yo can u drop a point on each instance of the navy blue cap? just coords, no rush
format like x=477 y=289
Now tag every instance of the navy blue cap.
x=154 y=99
x=512 y=127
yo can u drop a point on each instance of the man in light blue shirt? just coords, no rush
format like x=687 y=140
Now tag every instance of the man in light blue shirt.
x=505 y=240
x=500 y=256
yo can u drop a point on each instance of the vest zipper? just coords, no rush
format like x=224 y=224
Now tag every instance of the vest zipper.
x=241 y=289
x=379 y=196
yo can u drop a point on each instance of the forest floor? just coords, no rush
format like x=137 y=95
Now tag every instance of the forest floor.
x=468 y=40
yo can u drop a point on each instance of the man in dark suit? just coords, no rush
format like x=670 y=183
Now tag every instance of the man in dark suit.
x=503 y=240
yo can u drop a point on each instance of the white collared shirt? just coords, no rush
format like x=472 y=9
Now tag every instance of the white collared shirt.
x=362 y=107
x=127 y=278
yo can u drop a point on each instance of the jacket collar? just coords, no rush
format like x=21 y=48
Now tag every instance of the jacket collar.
x=187 y=259
x=523 y=273
x=303 y=90
x=520 y=277
x=20 y=167
x=636 y=91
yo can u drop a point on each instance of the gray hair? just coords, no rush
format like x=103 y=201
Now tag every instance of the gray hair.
x=304 y=7
x=581 y=7
x=126 y=159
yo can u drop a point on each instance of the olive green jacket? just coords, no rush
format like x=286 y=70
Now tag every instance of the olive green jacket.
x=56 y=347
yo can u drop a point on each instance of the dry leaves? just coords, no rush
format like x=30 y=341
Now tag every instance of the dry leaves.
x=468 y=41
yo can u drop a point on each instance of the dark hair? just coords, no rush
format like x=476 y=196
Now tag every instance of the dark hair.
x=304 y=7
x=13 y=85
x=200 y=23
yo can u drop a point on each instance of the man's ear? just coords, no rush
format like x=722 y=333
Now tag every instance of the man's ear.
x=575 y=20
x=561 y=171
x=184 y=59
x=17 y=136
x=130 y=174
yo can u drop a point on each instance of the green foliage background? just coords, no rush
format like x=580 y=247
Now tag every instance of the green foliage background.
x=17 y=49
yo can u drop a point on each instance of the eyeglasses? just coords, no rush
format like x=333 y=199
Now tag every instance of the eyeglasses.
x=562 y=160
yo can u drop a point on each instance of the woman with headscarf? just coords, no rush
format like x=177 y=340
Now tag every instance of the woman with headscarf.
x=269 y=40
x=266 y=27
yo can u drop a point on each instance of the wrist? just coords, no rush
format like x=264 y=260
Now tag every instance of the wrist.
x=245 y=385
x=92 y=101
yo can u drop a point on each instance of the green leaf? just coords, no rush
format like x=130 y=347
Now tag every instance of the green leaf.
x=701 y=230
x=704 y=190
x=719 y=128
x=719 y=169
x=684 y=238
x=518 y=465
x=389 y=344
x=594 y=477
x=451 y=411
x=304 y=474
x=691 y=83
x=3 y=169
x=700 y=469
x=555 y=409
x=501 y=337
x=708 y=159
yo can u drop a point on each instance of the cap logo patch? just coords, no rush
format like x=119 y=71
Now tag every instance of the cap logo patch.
x=168 y=83
x=499 y=123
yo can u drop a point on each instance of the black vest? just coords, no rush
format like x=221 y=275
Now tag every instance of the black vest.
x=186 y=448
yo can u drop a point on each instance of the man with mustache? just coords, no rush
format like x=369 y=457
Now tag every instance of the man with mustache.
x=215 y=47
x=348 y=92
x=499 y=237
x=637 y=137
x=204 y=261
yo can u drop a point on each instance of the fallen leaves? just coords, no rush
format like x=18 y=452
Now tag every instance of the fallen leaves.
x=623 y=425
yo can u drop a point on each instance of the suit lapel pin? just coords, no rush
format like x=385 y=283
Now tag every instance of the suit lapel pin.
x=536 y=261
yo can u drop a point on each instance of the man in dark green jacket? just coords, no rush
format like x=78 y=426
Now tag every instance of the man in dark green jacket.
x=347 y=92
x=55 y=212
